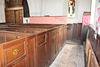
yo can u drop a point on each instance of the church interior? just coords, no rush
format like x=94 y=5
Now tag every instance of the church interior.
x=49 y=33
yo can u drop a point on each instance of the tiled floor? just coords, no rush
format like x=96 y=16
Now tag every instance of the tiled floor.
x=72 y=55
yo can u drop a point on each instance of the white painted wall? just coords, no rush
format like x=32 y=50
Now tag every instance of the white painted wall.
x=95 y=5
x=2 y=11
x=54 y=7
x=35 y=7
x=58 y=8
x=48 y=7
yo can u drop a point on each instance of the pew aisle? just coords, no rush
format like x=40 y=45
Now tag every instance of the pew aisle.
x=72 y=55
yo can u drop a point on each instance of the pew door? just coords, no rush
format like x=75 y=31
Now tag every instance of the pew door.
x=41 y=49
x=14 y=53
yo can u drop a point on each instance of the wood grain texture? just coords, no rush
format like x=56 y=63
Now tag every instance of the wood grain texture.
x=14 y=15
x=43 y=43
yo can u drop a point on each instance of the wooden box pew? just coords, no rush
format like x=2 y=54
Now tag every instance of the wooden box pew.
x=40 y=47
x=94 y=45
x=90 y=56
x=45 y=49
x=61 y=34
x=98 y=49
x=51 y=48
x=40 y=50
x=92 y=61
x=47 y=26
x=15 y=49
x=92 y=39
x=53 y=45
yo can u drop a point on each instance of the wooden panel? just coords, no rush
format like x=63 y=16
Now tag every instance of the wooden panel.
x=90 y=56
x=2 y=62
x=21 y=63
x=21 y=16
x=51 y=46
x=75 y=31
x=17 y=16
x=95 y=44
x=41 y=56
x=8 y=16
x=31 y=51
x=14 y=52
x=79 y=30
x=52 y=42
x=92 y=38
x=57 y=40
x=84 y=33
x=9 y=53
x=41 y=39
x=98 y=49
x=65 y=33
x=69 y=31
x=61 y=31
x=14 y=15
x=9 y=37
x=41 y=51
x=48 y=48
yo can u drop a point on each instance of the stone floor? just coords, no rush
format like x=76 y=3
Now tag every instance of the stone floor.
x=72 y=55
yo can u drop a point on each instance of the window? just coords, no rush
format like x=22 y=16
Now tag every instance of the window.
x=71 y=10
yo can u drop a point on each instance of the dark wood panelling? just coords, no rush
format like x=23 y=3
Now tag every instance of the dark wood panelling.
x=84 y=33
x=74 y=31
x=79 y=30
x=90 y=55
x=98 y=49
x=95 y=44
x=92 y=39
x=69 y=31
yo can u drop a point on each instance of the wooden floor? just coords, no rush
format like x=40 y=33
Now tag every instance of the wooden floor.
x=72 y=55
